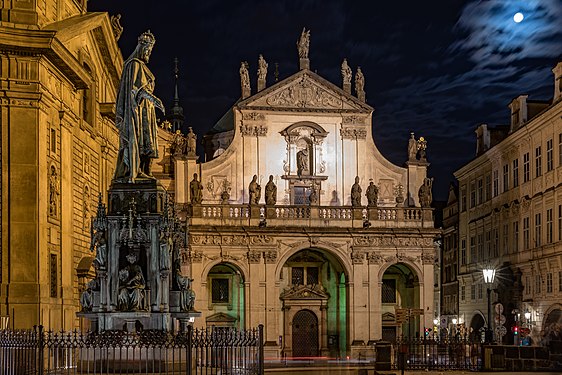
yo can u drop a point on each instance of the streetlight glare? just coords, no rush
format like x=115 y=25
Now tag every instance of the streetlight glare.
x=489 y=275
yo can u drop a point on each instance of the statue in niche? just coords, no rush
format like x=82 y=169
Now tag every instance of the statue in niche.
x=244 y=76
x=303 y=43
x=191 y=142
x=303 y=162
x=424 y=194
x=196 y=190
x=255 y=190
x=346 y=72
x=372 y=195
x=135 y=116
x=99 y=244
x=53 y=192
x=262 y=68
x=356 y=193
x=131 y=286
x=412 y=147
x=86 y=298
x=359 y=81
x=270 y=192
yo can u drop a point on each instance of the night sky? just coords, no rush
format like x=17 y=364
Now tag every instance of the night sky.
x=437 y=68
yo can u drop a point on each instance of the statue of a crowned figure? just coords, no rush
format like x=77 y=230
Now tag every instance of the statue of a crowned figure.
x=136 y=115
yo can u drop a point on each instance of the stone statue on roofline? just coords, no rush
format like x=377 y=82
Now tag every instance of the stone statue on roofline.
x=424 y=194
x=135 y=115
x=346 y=72
x=270 y=192
x=255 y=191
x=303 y=43
x=356 y=193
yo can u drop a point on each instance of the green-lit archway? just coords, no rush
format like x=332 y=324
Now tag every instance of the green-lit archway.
x=314 y=280
x=225 y=289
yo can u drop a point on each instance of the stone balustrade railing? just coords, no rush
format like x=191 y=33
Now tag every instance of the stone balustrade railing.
x=310 y=216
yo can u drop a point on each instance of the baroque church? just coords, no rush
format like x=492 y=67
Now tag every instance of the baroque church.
x=298 y=222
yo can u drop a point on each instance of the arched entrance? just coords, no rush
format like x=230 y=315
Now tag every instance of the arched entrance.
x=552 y=325
x=476 y=330
x=400 y=297
x=225 y=295
x=305 y=334
x=314 y=284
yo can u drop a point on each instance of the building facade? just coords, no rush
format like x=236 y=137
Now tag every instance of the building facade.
x=510 y=219
x=60 y=68
x=449 y=312
x=296 y=220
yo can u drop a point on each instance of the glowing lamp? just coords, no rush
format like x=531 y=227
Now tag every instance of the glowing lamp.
x=489 y=275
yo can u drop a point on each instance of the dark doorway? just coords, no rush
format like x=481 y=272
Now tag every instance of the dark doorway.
x=305 y=334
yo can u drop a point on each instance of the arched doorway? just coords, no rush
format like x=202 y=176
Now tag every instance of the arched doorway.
x=476 y=331
x=552 y=325
x=305 y=334
x=314 y=280
x=225 y=295
x=400 y=297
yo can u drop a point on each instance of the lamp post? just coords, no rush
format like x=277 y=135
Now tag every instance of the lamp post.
x=455 y=328
x=489 y=274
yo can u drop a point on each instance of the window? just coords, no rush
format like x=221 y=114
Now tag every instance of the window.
x=312 y=275
x=487 y=245
x=527 y=287
x=388 y=291
x=463 y=252
x=515 y=236
x=538 y=162
x=481 y=246
x=496 y=244
x=472 y=194
x=488 y=187
x=549 y=161
x=526 y=233
x=506 y=238
x=463 y=292
x=515 y=172
x=496 y=183
x=549 y=282
x=560 y=149
x=505 y=178
x=480 y=191
x=549 y=225
x=473 y=250
x=526 y=167
x=479 y=291
x=53 y=267
x=297 y=275
x=87 y=99
x=220 y=291
x=560 y=281
x=559 y=222
x=473 y=292
x=538 y=284
x=463 y=199
x=538 y=230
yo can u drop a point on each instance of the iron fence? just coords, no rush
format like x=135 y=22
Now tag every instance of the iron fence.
x=212 y=351
x=436 y=353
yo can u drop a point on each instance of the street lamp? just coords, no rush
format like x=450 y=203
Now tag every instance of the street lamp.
x=489 y=274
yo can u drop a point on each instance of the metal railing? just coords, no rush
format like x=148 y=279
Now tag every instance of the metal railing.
x=437 y=353
x=194 y=352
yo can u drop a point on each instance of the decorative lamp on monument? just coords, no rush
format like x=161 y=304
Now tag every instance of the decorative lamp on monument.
x=489 y=275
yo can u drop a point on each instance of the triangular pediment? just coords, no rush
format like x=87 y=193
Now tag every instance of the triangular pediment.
x=305 y=91
x=220 y=318
x=305 y=292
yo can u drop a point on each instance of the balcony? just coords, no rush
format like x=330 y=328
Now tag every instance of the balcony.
x=309 y=216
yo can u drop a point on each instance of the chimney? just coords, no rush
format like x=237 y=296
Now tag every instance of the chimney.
x=518 y=108
x=557 y=82
x=482 y=139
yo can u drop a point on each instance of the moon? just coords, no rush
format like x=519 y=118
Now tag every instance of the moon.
x=518 y=17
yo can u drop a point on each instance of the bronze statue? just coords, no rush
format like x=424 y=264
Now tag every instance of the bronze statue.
x=270 y=192
x=356 y=193
x=255 y=191
x=135 y=116
x=131 y=286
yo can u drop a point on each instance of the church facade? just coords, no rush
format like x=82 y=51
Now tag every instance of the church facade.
x=296 y=221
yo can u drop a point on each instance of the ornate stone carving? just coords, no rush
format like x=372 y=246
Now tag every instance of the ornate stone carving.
x=253 y=256
x=253 y=116
x=261 y=239
x=116 y=26
x=194 y=257
x=428 y=258
x=353 y=119
x=353 y=132
x=390 y=259
x=253 y=130
x=304 y=94
x=270 y=256
x=357 y=257
x=375 y=258
x=233 y=240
